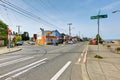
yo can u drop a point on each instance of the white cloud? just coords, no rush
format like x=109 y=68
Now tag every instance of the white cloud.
x=111 y=6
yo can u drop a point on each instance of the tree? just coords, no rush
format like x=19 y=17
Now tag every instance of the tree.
x=18 y=38
x=100 y=39
x=3 y=29
x=25 y=36
x=4 y=32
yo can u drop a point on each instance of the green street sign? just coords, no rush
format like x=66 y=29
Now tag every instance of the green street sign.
x=99 y=16
x=94 y=17
x=103 y=16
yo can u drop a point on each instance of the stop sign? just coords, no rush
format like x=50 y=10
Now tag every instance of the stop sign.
x=9 y=32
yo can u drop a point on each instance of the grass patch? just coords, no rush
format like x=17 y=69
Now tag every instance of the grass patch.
x=97 y=56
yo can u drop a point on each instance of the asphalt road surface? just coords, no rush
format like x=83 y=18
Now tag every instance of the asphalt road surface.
x=43 y=63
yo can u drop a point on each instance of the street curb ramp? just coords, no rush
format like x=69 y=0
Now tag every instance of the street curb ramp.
x=15 y=50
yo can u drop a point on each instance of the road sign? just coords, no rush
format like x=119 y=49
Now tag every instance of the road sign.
x=99 y=16
x=9 y=32
x=103 y=16
x=94 y=17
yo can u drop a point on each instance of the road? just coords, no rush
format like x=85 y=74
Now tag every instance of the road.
x=43 y=63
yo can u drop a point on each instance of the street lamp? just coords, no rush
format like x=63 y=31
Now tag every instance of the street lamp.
x=116 y=11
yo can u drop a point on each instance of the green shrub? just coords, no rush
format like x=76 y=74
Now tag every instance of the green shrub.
x=108 y=46
x=97 y=56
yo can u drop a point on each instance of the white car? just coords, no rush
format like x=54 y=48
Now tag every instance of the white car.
x=31 y=42
x=70 y=42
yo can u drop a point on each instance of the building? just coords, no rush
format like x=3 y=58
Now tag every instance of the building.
x=58 y=36
x=47 y=37
x=117 y=42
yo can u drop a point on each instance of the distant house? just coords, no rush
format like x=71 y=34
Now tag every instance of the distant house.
x=46 y=37
x=3 y=41
x=58 y=35
x=85 y=39
x=117 y=42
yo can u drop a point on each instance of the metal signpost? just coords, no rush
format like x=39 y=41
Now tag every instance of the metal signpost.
x=98 y=17
x=9 y=37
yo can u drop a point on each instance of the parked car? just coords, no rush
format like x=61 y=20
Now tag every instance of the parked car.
x=70 y=42
x=31 y=42
x=19 y=43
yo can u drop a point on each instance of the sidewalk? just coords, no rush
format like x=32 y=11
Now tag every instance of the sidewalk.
x=107 y=68
x=4 y=50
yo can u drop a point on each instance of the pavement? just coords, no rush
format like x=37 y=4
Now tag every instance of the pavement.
x=5 y=50
x=107 y=68
x=59 y=63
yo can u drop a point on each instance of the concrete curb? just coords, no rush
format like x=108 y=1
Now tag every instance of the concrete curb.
x=83 y=65
x=84 y=72
x=15 y=50
x=11 y=51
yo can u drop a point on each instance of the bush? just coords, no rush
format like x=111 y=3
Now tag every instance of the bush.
x=108 y=46
x=117 y=49
x=18 y=38
x=97 y=56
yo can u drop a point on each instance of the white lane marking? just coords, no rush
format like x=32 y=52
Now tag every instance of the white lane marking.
x=81 y=54
x=22 y=68
x=15 y=61
x=57 y=75
x=79 y=59
x=2 y=59
x=85 y=57
x=16 y=75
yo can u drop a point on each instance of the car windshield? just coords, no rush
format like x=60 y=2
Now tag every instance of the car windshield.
x=59 y=40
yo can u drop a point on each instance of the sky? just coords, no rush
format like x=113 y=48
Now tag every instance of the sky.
x=57 y=14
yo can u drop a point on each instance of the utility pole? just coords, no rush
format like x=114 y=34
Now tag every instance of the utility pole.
x=69 y=28
x=79 y=34
x=18 y=29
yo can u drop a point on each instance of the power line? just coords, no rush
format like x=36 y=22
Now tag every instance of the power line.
x=20 y=9
x=17 y=12
x=48 y=4
x=25 y=13
x=54 y=7
x=27 y=3
x=10 y=21
x=39 y=10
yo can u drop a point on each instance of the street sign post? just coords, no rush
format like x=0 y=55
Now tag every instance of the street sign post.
x=98 y=17
x=9 y=37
